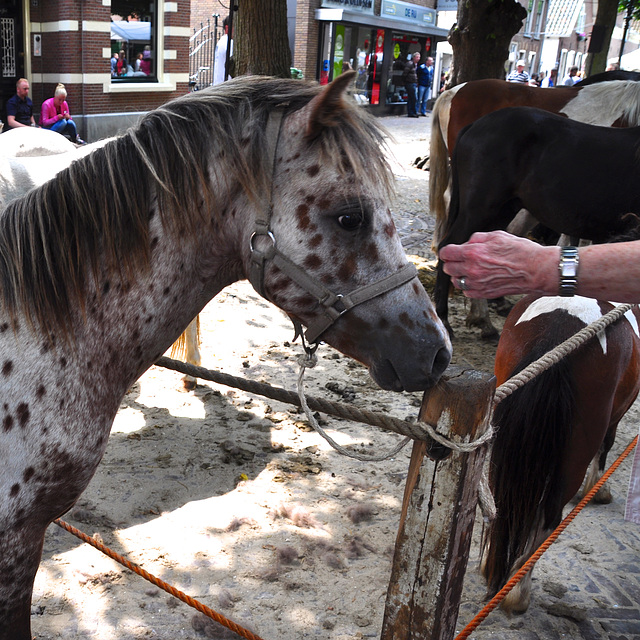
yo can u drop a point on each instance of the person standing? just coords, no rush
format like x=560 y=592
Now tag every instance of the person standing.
x=519 y=75
x=20 y=107
x=425 y=82
x=220 y=68
x=55 y=115
x=410 y=80
x=551 y=80
x=572 y=77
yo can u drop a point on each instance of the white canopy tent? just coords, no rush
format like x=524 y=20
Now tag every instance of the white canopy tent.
x=130 y=31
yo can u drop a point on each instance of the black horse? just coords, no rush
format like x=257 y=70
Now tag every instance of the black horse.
x=575 y=178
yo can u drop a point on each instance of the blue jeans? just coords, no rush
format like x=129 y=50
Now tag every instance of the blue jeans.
x=67 y=127
x=412 y=98
x=423 y=96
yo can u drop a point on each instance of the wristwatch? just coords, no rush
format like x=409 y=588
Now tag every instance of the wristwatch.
x=568 y=268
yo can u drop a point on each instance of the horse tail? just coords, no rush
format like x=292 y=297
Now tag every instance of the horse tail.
x=439 y=173
x=533 y=428
x=179 y=347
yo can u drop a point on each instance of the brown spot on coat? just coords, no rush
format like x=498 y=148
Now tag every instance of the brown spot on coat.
x=7 y=423
x=23 y=414
x=313 y=261
x=7 y=368
x=302 y=213
x=313 y=170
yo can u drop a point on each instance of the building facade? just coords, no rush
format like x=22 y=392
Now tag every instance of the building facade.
x=73 y=41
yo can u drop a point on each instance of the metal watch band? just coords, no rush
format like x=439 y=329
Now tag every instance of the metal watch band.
x=568 y=268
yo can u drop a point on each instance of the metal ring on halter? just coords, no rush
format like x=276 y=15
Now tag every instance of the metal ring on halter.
x=462 y=283
x=254 y=234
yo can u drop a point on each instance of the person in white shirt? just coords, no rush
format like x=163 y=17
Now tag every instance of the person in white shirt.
x=572 y=77
x=220 y=58
x=519 y=75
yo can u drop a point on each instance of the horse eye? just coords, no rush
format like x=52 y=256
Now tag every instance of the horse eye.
x=351 y=221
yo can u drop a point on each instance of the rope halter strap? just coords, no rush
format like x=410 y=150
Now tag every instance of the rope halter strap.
x=262 y=245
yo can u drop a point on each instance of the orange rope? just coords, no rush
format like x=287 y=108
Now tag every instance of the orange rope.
x=528 y=565
x=244 y=633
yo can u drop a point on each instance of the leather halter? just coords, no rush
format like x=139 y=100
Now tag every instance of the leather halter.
x=332 y=305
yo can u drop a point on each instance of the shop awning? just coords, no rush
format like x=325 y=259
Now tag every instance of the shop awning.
x=123 y=30
x=379 y=22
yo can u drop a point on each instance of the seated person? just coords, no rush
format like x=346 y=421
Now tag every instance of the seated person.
x=55 y=116
x=20 y=107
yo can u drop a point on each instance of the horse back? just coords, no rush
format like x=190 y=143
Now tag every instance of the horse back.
x=480 y=97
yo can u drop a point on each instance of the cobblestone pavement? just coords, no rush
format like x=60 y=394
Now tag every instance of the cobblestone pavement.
x=587 y=585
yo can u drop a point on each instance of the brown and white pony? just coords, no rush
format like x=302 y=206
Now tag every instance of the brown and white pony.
x=258 y=176
x=554 y=429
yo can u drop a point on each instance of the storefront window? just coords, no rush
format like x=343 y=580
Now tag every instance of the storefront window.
x=404 y=45
x=133 y=38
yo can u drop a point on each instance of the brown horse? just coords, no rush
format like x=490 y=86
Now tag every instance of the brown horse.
x=550 y=431
x=605 y=103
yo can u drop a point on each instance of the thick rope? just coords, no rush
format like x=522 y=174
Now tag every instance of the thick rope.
x=559 y=352
x=528 y=565
x=192 y=602
x=416 y=430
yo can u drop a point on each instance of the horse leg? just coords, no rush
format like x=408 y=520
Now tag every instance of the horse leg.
x=186 y=348
x=478 y=316
x=519 y=598
x=20 y=551
x=597 y=466
x=192 y=351
x=441 y=296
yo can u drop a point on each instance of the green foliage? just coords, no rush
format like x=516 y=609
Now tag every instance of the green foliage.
x=623 y=7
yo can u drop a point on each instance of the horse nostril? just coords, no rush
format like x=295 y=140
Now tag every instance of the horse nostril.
x=441 y=362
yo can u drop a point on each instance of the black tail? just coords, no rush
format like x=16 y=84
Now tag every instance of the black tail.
x=533 y=427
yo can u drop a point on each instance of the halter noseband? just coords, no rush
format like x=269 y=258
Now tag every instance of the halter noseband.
x=332 y=305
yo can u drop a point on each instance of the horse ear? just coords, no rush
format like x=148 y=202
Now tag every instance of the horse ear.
x=327 y=107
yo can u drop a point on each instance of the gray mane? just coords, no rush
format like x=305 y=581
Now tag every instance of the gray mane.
x=88 y=219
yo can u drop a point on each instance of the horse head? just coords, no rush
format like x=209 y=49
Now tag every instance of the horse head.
x=339 y=267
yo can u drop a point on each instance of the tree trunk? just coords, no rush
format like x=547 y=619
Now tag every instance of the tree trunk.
x=261 y=43
x=481 y=37
x=605 y=18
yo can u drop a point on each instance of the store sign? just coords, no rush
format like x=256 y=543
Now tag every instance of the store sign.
x=408 y=12
x=447 y=5
x=361 y=6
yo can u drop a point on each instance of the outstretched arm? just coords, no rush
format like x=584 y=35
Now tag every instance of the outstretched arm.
x=496 y=264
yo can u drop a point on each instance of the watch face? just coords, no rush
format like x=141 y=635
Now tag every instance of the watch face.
x=569 y=269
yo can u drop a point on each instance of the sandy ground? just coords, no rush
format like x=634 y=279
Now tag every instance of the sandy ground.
x=233 y=499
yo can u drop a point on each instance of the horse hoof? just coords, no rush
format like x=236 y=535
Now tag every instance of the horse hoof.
x=603 y=496
x=189 y=384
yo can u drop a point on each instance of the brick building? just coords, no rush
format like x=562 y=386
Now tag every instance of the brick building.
x=374 y=37
x=72 y=41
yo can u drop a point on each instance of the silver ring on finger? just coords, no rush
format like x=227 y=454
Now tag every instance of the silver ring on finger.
x=462 y=281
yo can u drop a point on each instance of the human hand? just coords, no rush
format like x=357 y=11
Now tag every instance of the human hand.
x=497 y=263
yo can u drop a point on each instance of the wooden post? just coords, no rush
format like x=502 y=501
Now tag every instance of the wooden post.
x=438 y=513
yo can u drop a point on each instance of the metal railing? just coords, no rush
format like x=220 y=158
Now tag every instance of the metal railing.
x=202 y=47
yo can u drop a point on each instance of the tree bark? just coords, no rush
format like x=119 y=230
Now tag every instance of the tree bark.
x=480 y=39
x=261 y=43
x=606 y=18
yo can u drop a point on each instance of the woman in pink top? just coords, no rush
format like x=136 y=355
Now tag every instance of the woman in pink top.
x=55 y=116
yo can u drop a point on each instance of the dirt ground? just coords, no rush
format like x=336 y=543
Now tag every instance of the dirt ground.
x=232 y=499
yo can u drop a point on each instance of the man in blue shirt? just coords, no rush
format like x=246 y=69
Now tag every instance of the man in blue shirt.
x=425 y=82
x=20 y=107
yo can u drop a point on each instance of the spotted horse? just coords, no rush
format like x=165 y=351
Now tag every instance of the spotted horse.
x=276 y=180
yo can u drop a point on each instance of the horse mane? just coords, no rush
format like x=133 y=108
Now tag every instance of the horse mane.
x=85 y=223
x=622 y=97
